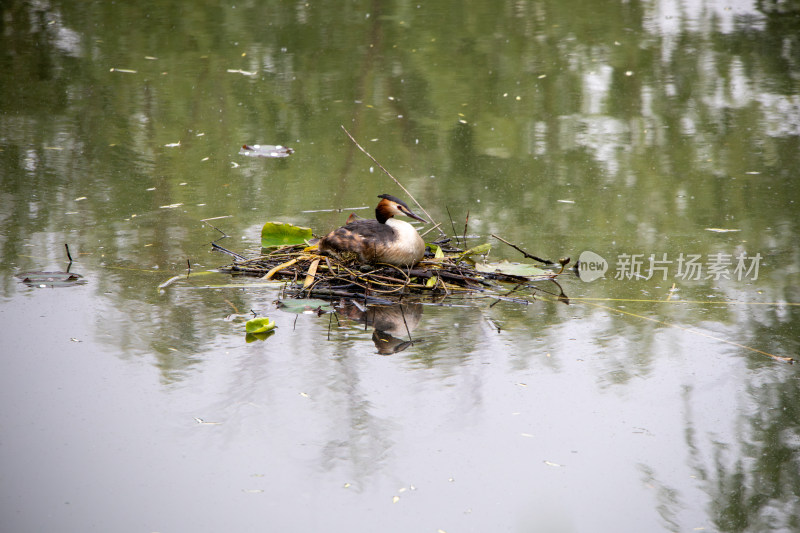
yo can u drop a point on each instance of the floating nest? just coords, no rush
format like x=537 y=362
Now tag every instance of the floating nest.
x=452 y=273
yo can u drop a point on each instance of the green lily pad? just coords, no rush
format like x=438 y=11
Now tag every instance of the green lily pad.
x=305 y=305
x=512 y=269
x=281 y=234
x=259 y=324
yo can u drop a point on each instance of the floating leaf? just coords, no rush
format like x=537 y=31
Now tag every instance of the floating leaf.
x=312 y=271
x=305 y=305
x=266 y=150
x=252 y=337
x=259 y=324
x=482 y=249
x=278 y=268
x=280 y=234
x=437 y=251
x=512 y=269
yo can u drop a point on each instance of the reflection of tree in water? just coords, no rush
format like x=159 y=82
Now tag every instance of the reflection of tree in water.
x=752 y=485
x=761 y=491
x=359 y=439
x=668 y=499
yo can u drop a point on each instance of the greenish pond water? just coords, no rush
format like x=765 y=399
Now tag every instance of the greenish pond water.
x=661 y=136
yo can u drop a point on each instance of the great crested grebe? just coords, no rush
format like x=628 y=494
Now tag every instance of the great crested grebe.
x=383 y=240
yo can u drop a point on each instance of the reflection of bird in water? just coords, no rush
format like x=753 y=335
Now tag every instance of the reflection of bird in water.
x=390 y=322
x=383 y=240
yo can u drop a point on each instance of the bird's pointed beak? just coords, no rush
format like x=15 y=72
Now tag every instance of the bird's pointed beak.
x=407 y=212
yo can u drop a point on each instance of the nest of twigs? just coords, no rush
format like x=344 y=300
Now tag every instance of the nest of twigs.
x=305 y=271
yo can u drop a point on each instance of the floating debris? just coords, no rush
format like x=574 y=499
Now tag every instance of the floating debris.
x=51 y=279
x=266 y=150
x=242 y=72
x=204 y=423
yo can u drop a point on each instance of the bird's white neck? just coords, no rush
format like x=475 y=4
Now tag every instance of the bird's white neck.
x=407 y=242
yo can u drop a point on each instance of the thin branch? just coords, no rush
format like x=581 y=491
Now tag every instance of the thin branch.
x=430 y=230
x=206 y=221
x=452 y=225
x=430 y=218
x=466 y=222
x=523 y=252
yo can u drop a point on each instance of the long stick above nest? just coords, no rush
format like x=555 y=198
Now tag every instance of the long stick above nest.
x=430 y=218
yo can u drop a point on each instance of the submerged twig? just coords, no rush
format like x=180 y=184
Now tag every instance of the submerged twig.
x=408 y=331
x=206 y=221
x=219 y=248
